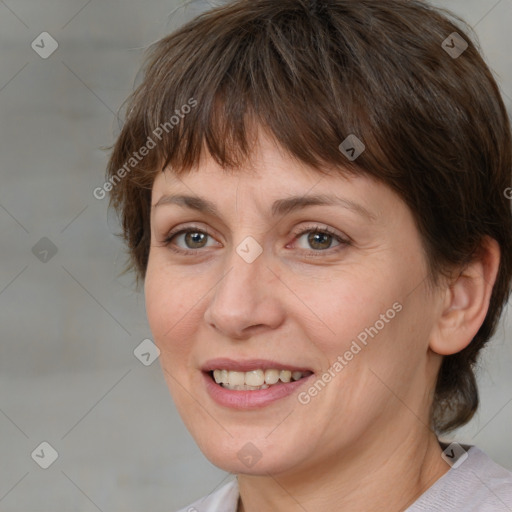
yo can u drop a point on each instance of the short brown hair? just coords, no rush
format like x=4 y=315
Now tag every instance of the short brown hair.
x=313 y=72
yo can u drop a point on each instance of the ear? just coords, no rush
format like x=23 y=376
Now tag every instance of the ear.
x=466 y=301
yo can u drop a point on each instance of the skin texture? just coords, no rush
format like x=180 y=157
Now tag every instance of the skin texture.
x=363 y=442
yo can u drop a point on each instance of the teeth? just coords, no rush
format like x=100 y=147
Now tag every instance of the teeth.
x=236 y=378
x=285 y=375
x=271 y=376
x=244 y=388
x=255 y=379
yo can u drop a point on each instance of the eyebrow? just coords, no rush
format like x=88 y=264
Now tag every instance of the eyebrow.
x=280 y=207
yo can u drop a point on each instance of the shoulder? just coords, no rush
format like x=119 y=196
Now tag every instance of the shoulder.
x=224 y=499
x=477 y=484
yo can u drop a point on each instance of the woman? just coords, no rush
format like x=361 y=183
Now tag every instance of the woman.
x=314 y=194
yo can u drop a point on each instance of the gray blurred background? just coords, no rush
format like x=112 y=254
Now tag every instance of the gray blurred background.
x=69 y=324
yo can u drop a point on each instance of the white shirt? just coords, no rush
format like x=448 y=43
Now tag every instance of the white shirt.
x=477 y=485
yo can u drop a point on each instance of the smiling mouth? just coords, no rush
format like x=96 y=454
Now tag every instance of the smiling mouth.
x=255 y=380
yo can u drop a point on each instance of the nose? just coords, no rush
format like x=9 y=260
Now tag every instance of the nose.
x=245 y=300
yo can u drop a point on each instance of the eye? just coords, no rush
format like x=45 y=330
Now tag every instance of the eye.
x=314 y=239
x=193 y=239
x=320 y=239
x=190 y=238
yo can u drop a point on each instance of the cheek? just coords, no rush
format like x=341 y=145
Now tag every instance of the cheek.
x=172 y=305
x=340 y=306
x=369 y=314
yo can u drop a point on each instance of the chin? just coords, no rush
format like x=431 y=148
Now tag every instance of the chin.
x=249 y=453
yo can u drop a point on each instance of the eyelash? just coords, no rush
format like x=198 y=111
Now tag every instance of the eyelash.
x=312 y=229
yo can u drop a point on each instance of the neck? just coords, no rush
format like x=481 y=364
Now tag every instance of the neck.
x=368 y=476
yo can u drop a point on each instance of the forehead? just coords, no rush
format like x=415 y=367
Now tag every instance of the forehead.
x=277 y=182
x=268 y=165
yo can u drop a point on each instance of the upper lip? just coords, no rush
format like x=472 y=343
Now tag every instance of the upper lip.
x=249 y=365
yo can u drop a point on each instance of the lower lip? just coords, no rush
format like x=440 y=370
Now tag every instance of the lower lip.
x=250 y=399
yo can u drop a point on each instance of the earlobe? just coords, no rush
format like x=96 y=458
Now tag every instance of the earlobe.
x=466 y=301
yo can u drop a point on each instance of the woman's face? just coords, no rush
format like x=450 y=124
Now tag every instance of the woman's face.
x=257 y=288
